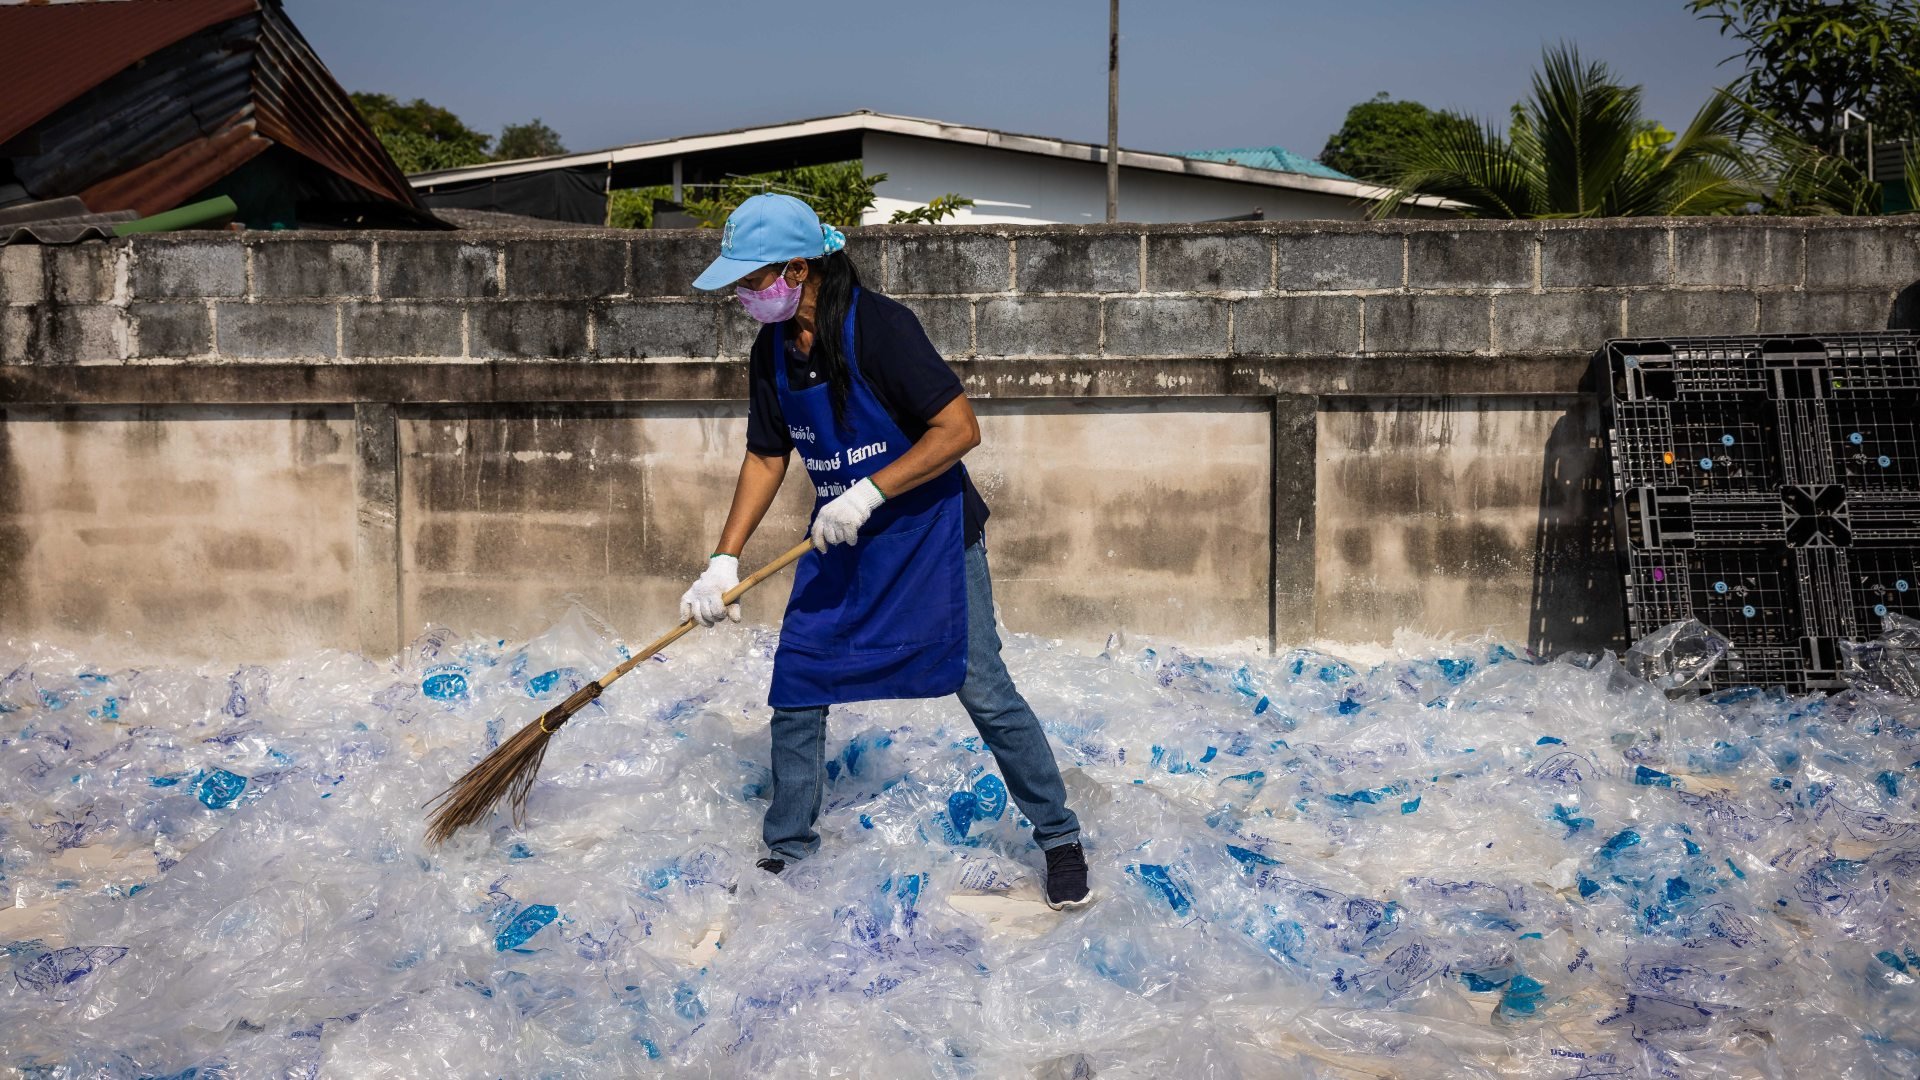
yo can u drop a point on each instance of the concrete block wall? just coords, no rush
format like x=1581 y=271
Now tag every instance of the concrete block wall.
x=1309 y=375
x=1312 y=289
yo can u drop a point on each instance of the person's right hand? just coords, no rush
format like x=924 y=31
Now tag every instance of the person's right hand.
x=703 y=602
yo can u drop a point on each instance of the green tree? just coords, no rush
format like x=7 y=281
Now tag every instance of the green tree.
x=1580 y=148
x=420 y=135
x=944 y=206
x=1809 y=61
x=632 y=208
x=531 y=139
x=1375 y=130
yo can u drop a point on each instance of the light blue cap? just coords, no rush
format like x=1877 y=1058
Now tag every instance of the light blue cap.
x=768 y=229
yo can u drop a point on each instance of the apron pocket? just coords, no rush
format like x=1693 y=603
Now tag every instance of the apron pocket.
x=907 y=589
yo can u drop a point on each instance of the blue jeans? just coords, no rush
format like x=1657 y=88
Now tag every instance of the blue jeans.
x=1006 y=724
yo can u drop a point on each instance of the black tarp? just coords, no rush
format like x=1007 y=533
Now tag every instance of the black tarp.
x=573 y=195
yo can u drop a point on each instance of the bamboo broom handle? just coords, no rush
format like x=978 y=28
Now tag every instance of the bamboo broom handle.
x=792 y=556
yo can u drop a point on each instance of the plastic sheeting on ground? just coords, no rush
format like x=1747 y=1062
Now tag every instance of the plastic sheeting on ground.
x=1460 y=864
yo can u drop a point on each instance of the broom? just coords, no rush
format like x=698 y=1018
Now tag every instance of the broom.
x=508 y=773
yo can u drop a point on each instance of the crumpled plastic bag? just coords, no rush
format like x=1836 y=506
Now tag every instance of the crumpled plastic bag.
x=1890 y=665
x=1679 y=655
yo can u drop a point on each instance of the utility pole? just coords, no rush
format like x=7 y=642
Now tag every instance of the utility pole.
x=1113 y=110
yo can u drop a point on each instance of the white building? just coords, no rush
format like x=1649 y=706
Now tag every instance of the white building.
x=1010 y=178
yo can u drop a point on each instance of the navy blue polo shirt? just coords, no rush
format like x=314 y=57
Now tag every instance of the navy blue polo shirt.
x=903 y=368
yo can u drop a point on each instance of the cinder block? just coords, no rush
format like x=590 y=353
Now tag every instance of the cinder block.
x=401 y=328
x=1078 y=262
x=312 y=269
x=1692 y=314
x=1743 y=255
x=531 y=329
x=166 y=266
x=665 y=261
x=81 y=273
x=20 y=333
x=947 y=320
x=1040 y=326
x=1166 y=326
x=948 y=263
x=865 y=251
x=1237 y=262
x=277 y=331
x=62 y=334
x=642 y=329
x=572 y=267
x=1329 y=261
x=91 y=333
x=738 y=330
x=1296 y=326
x=1880 y=256
x=435 y=268
x=178 y=328
x=1427 y=324
x=1533 y=324
x=56 y=333
x=22 y=274
x=1471 y=259
x=1824 y=312
x=1588 y=256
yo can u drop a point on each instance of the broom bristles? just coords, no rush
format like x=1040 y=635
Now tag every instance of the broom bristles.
x=507 y=773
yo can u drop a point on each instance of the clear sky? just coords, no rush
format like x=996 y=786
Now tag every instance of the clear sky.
x=1195 y=74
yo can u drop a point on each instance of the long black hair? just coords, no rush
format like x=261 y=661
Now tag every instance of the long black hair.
x=837 y=277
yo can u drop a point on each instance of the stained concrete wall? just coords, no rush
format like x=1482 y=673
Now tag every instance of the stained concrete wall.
x=507 y=512
x=253 y=445
x=1448 y=515
x=199 y=531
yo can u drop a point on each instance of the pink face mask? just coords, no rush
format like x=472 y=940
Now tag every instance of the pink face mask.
x=775 y=303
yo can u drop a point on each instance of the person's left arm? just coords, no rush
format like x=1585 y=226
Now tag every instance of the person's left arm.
x=951 y=432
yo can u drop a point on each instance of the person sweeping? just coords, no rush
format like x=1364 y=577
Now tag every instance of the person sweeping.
x=895 y=600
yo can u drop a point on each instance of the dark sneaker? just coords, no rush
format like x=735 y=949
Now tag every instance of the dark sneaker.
x=1067 y=877
x=772 y=866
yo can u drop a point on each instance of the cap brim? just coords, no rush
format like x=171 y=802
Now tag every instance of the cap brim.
x=723 y=272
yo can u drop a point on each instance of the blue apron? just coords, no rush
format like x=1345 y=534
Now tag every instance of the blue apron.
x=885 y=616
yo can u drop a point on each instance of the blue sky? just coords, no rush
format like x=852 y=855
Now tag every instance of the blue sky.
x=1194 y=74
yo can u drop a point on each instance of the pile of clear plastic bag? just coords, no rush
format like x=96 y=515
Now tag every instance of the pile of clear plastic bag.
x=1457 y=863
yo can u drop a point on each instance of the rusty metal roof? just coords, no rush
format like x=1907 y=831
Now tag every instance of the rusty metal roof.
x=168 y=97
x=56 y=52
x=298 y=104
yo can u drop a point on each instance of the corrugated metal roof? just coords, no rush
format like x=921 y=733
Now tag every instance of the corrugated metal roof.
x=1277 y=158
x=219 y=83
x=298 y=104
x=154 y=112
x=180 y=173
x=57 y=221
x=56 y=52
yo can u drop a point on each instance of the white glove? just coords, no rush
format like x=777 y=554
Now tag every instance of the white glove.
x=839 y=521
x=703 y=601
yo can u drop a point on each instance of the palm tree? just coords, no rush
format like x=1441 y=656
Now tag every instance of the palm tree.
x=1580 y=148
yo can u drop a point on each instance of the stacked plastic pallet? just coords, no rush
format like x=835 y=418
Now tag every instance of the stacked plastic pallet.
x=1768 y=486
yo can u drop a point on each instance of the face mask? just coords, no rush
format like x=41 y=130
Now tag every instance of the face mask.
x=775 y=303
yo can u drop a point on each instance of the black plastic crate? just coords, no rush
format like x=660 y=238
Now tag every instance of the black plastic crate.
x=1876 y=441
x=1723 y=445
x=1883 y=581
x=1770 y=487
x=1750 y=595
